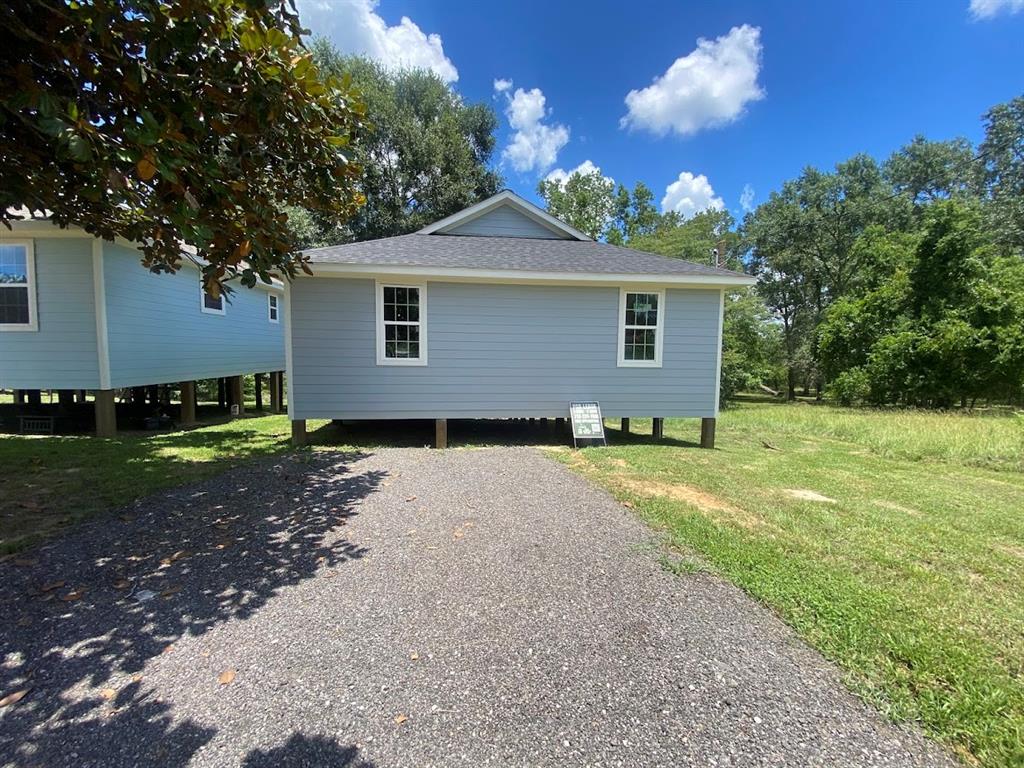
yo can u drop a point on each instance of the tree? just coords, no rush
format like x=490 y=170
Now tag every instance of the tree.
x=694 y=239
x=174 y=124
x=802 y=243
x=925 y=171
x=634 y=215
x=1002 y=157
x=585 y=201
x=426 y=156
x=948 y=325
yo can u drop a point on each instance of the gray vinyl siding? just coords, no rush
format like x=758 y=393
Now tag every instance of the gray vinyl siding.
x=62 y=353
x=158 y=334
x=497 y=351
x=505 y=221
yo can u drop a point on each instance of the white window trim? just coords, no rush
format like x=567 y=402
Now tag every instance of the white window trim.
x=381 y=359
x=207 y=310
x=30 y=272
x=659 y=330
x=272 y=307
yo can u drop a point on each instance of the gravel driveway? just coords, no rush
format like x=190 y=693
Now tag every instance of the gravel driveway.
x=406 y=607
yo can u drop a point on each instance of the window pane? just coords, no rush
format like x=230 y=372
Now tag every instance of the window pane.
x=390 y=334
x=414 y=332
x=211 y=303
x=414 y=313
x=13 y=264
x=401 y=312
x=401 y=295
x=389 y=312
x=14 y=305
x=414 y=297
x=414 y=349
x=389 y=295
x=389 y=349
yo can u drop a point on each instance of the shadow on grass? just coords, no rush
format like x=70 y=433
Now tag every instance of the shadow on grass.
x=87 y=612
x=470 y=433
x=49 y=482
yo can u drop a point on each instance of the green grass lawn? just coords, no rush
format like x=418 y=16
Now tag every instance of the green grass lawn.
x=49 y=482
x=891 y=541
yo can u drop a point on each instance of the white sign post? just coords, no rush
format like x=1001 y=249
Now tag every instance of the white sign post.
x=587 y=424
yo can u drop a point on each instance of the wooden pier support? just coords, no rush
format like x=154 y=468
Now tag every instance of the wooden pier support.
x=441 y=433
x=188 y=403
x=259 y=390
x=299 y=436
x=658 y=428
x=707 y=433
x=237 y=394
x=106 y=413
x=624 y=429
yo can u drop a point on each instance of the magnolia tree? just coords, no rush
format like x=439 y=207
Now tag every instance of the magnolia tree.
x=195 y=123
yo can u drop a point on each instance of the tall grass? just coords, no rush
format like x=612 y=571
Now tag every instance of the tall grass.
x=990 y=439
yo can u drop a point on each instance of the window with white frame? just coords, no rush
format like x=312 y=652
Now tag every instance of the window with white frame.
x=641 y=318
x=209 y=304
x=401 y=324
x=272 y=308
x=17 y=287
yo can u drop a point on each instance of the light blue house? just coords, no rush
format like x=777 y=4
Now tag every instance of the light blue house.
x=502 y=311
x=80 y=313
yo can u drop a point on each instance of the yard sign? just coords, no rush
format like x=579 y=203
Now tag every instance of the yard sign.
x=587 y=423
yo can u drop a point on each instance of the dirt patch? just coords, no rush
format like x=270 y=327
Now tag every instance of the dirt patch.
x=898 y=508
x=719 y=509
x=806 y=495
x=620 y=463
x=1011 y=549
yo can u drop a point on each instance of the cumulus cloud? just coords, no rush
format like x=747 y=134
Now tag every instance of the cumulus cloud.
x=561 y=175
x=354 y=27
x=535 y=144
x=689 y=195
x=708 y=87
x=988 y=9
x=747 y=198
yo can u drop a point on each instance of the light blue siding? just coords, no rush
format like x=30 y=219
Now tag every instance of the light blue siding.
x=62 y=353
x=497 y=351
x=158 y=334
x=505 y=221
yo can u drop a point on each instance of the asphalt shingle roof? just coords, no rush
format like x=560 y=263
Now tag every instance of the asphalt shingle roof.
x=508 y=253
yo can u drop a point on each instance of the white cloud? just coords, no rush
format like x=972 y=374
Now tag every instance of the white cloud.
x=989 y=9
x=747 y=198
x=689 y=195
x=586 y=167
x=353 y=26
x=708 y=87
x=535 y=144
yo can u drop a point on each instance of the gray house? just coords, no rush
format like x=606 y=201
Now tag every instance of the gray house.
x=79 y=313
x=502 y=311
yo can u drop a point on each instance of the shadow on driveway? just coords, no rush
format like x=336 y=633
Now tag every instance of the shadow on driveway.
x=81 y=616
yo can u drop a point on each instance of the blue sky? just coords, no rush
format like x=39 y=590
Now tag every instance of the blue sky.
x=775 y=86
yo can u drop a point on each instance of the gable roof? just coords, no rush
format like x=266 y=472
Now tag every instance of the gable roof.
x=507 y=199
x=438 y=251
x=512 y=257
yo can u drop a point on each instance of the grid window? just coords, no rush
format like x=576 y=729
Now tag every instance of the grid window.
x=641 y=327
x=273 y=308
x=211 y=305
x=15 y=286
x=401 y=323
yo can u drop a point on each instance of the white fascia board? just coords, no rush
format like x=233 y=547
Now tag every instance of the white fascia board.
x=503 y=198
x=461 y=274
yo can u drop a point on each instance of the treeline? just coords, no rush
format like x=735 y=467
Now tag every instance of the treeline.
x=901 y=282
